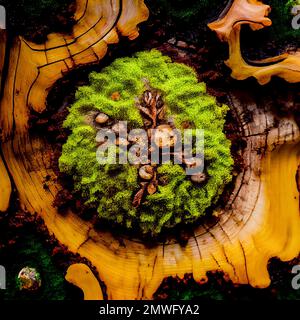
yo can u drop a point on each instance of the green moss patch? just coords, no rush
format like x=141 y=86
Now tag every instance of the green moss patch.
x=110 y=188
x=30 y=251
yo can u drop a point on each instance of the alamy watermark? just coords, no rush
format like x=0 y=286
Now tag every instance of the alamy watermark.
x=161 y=145
x=2 y=18
x=2 y=278
x=296 y=279
x=296 y=18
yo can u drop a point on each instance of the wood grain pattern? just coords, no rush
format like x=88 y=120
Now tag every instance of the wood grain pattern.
x=254 y=13
x=5 y=183
x=81 y=276
x=5 y=187
x=33 y=69
x=260 y=221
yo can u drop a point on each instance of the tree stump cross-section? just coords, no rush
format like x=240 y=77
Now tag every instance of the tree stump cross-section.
x=260 y=221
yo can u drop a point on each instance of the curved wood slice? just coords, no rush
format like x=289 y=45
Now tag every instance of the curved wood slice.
x=80 y=275
x=260 y=221
x=253 y=13
x=33 y=69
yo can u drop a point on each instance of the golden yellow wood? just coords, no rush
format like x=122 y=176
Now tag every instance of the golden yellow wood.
x=5 y=184
x=253 y=13
x=5 y=187
x=33 y=69
x=260 y=221
x=80 y=275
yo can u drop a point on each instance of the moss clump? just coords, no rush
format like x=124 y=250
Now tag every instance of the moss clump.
x=110 y=188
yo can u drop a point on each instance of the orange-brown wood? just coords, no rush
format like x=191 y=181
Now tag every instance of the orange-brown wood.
x=260 y=221
x=5 y=184
x=5 y=187
x=33 y=69
x=253 y=13
x=81 y=276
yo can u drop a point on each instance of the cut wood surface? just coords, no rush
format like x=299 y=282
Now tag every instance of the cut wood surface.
x=5 y=187
x=33 y=69
x=81 y=276
x=2 y=54
x=260 y=221
x=253 y=13
x=5 y=184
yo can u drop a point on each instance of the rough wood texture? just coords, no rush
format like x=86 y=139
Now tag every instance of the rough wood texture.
x=260 y=221
x=33 y=69
x=81 y=276
x=5 y=184
x=253 y=13
x=5 y=187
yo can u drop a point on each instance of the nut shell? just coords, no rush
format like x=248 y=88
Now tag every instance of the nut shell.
x=146 y=172
x=101 y=118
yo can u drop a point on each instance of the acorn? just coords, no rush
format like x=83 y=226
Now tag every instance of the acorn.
x=102 y=118
x=146 y=172
x=151 y=188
